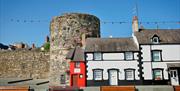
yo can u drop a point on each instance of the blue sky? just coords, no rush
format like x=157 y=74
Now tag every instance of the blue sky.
x=28 y=20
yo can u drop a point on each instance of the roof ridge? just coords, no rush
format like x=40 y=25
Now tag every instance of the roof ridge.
x=113 y=38
x=178 y=29
x=165 y=35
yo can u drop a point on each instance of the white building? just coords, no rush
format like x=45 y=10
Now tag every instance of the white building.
x=151 y=56
x=111 y=61
x=160 y=55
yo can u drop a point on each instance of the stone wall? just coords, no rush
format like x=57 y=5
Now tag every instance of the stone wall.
x=68 y=31
x=24 y=64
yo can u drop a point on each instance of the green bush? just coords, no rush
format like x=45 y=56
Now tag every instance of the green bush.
x=47 y=46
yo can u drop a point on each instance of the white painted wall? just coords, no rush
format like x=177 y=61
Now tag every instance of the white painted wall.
x=169 y=53
x=148 y=66
x=89 y=56
x=135 y=40
x=113 y=56
x=113 y=60
x=147 y=71
x=110 y=56
x=136 y=56
x=162 y=65
x=121 y=65
x=146 y=53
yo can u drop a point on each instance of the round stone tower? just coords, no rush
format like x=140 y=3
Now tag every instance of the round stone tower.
x=68 y=31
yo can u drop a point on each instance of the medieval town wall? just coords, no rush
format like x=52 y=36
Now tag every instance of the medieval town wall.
x=24 y=64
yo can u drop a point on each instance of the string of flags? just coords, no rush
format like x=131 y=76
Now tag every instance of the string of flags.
x=27 y=21
x=159 y=22
x=103 y=22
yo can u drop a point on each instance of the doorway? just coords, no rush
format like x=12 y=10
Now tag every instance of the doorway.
x=113 y=77
x=174 y=77
x=75 y=80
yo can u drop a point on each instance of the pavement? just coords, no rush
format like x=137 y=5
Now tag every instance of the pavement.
x=35 y=84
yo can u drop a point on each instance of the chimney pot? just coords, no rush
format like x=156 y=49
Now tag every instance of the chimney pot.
x=33 y=46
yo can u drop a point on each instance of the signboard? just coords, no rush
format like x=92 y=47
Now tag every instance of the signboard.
x=77 y=70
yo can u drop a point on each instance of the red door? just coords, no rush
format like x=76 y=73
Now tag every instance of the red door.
x=75 y=80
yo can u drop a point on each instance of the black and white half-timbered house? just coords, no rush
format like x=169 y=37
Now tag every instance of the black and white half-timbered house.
x=111 y=61
x=160 y=55
x=150 y=56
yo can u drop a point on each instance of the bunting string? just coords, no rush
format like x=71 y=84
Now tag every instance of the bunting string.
x=103 y=22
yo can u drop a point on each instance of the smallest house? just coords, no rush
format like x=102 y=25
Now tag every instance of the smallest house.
x=77 y=67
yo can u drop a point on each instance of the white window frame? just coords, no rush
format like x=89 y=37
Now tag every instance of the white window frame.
x=160 y=74
x=97 y=74
x=131 y=71
x=154 y=55
x=128 y=55
x=97 y=54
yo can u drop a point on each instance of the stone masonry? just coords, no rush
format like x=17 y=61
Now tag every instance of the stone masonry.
x=68 y=31
x=24 y=64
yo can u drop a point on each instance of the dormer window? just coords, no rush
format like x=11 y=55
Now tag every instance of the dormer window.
x=155 y=39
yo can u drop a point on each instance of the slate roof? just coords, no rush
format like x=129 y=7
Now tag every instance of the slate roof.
x=76 y=54
x=165 y=35
x=110 y=45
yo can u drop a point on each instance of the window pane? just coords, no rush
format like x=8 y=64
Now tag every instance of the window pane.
x=156 y=56
x=171 y=73
x=97 y=56
x=155 y=40
x=129 y=55
x=157 y=74
x=98 y=74
x=129 y=74
x=175 y=73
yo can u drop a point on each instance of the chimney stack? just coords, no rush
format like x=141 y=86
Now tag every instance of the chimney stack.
x=83 y=40
x=33 y=46
x=135 y=25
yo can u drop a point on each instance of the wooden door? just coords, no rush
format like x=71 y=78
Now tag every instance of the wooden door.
x=75 y=80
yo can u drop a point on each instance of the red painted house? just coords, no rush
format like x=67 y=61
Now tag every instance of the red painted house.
x=77 y=67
